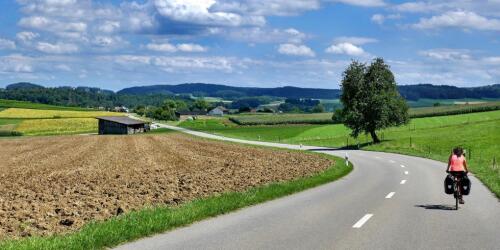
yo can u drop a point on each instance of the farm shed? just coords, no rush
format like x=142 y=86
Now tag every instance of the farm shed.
x=121 y=125
x=219 y=111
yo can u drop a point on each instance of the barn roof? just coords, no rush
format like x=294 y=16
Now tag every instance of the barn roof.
x=121 y=119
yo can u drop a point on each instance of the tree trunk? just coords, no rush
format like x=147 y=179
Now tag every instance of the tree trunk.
x=374 y=137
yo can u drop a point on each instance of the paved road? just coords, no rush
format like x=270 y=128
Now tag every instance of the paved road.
x=389 y=201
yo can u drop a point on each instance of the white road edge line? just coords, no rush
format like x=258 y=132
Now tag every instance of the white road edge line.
x=403 y=181
x=406 y=172
x=390 y=195
x=362 y=221
x=402 y=166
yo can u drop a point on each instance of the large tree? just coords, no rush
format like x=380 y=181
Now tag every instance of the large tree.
x=371 y=100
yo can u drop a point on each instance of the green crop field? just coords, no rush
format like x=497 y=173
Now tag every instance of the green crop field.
x=29 y=105
x=57 y=126
x=431 y=137
x=17 y=121
x=42 y=114
x=325 y=118
x=272 y=119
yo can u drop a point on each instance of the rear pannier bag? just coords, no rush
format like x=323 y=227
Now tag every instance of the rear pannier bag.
x=448 y=184
x=465 y=182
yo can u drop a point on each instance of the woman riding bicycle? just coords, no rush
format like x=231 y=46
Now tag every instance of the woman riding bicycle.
x=457 y=166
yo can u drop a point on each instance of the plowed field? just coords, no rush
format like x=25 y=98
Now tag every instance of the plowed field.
x=56 y=184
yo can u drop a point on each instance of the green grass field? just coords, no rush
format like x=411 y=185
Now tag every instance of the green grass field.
x=431 y=137
x=273 y=119
x=148 y=221
x=325 y=118
x=29 y=105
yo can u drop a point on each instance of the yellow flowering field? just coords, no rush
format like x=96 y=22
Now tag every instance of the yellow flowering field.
x=39 y=113
x=57 y=126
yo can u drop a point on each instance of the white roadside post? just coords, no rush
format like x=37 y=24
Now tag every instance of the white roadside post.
x=346 y=159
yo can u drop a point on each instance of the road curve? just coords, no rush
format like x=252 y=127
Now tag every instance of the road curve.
x=389 y=201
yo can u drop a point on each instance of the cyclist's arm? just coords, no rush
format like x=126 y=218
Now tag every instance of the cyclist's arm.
x=449 y=163
x=465 y=166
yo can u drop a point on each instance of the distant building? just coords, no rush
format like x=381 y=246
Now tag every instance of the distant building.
x=219 y=111
x=121 y=125
x=121 y=109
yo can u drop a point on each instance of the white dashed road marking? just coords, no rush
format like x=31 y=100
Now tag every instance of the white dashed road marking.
x=362 y=221
x=403 y=181
x=402 y=166
x=390 y=195
x=406 y=172
x=391 y=161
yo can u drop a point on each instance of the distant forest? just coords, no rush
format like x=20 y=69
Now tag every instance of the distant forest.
x=155 y=95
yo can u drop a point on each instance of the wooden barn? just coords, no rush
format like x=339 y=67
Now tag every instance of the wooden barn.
x=121 y=125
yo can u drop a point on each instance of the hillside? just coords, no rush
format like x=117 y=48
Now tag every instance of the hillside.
x=217 y=90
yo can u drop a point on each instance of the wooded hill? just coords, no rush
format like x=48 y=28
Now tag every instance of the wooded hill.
x=156 y=94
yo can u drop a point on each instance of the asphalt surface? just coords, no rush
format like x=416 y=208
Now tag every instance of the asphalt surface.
x=379 y=205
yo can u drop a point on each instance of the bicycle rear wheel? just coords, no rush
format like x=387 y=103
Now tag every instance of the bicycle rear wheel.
x=456 y=203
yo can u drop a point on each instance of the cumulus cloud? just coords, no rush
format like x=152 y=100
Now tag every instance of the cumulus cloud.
x=183 y=47
x=268 y=7
x=459 y=19
x=15 y=64
x=57 y=48
x=446 y=54
x=26 y=36
x=363 y=3
x=345 y=48
x=380 y=19
x=295 y=50
x=266 y=35
x=7 y=44
x=356 y=40
x=171 y=63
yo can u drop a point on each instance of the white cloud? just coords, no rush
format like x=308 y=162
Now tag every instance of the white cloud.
x=168 y=47
x=7 y=44
x=199 y=12
x=191 y=47
x=162 y=47
x=58 y=48
x=109 y=26
x=15 y=64
x=363 y=3
x=446 y=54
x=380 y=19
x=356 y=40
x=26 y=36
x=263 y=35
x=47 y=24
x=295 y=50
x=459 y=19
x=345 y=48
x=268 y=7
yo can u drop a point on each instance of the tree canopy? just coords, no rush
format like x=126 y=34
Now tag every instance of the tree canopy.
x=370 y=99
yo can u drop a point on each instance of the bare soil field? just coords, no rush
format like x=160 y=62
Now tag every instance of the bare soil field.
x=56 y=184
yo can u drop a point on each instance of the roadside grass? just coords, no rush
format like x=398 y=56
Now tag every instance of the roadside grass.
x=30 y=105
x=431 y=137
x=61 y=126
x=151 y=220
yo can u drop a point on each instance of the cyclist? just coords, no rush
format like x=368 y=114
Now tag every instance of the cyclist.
x=457 y=166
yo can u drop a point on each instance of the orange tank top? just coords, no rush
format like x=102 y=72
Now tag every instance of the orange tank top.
x=457 y=163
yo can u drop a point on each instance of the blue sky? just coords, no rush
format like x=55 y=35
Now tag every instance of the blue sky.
x=263 y=43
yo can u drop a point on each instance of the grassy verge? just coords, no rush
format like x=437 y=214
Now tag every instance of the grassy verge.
x=134 y=225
